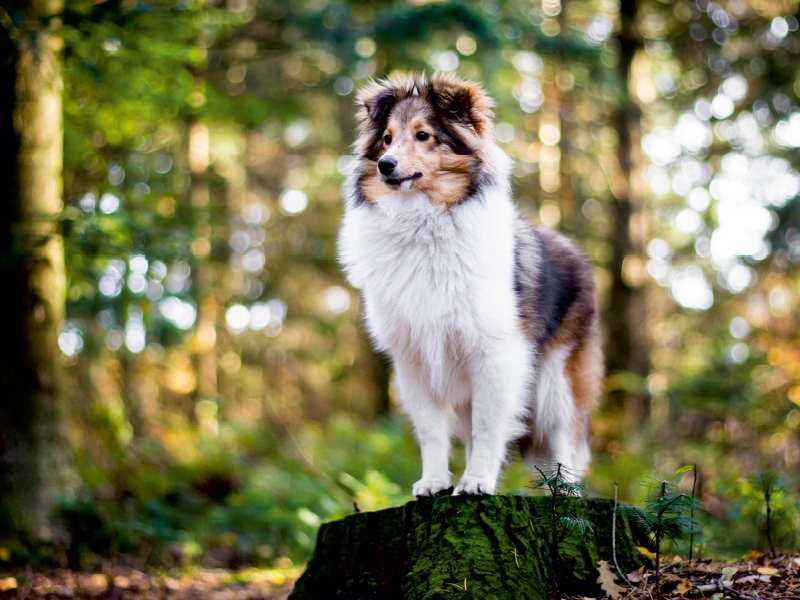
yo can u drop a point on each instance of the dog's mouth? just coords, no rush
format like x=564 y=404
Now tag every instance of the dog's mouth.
x=396 y=182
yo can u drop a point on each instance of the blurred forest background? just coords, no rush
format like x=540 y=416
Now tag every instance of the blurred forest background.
x=184 y=373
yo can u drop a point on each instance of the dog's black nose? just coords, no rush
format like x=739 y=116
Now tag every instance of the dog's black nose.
x=387 y=164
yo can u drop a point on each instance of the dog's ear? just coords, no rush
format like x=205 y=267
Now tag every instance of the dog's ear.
x=462 y=103
x=376 y=100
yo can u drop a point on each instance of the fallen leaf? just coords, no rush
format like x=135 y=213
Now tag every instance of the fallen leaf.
x=98 y=582
x=606 y=580
x=9 y=583
x=683 y=587
x=636 y=576
x=754 y=555
x=646 y=552
x=729 y=572
x=767 y=571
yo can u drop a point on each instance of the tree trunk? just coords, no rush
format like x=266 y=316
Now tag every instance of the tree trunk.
x=381 y=376
x=36 y=463
x=627 y=348
x=486 y=547
x=205 y=342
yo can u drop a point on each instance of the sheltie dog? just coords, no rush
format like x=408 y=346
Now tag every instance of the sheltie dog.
x=491 y=322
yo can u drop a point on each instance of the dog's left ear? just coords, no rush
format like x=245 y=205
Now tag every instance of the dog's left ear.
x=462 y=103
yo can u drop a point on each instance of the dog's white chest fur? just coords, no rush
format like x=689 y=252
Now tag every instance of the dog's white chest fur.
x=437 y=283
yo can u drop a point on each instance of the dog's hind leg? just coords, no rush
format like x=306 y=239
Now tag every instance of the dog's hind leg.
x=554 y=410
x=584 y=371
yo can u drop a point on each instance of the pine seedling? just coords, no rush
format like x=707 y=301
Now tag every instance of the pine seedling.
x=561 y=482
x=693 y=469
x=665 y=516
x=768 y=485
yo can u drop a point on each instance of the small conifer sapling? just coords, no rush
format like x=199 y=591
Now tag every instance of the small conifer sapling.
x=562 y=484
x=768 y=486
x=665 y=516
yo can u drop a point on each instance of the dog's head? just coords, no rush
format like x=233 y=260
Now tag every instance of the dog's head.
x=423 y=134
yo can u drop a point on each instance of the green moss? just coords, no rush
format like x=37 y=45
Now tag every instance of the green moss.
x=427 y=549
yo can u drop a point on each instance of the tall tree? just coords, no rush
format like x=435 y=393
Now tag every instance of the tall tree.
x=35 y=460
x=627 y=348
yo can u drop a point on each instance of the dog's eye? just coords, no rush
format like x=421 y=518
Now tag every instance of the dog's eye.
x=387 y=139
x=422 y=136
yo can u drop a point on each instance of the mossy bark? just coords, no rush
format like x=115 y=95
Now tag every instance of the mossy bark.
x=466 y=547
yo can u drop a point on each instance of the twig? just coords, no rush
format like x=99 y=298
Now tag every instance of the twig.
x=729 y=590
x=458 y=586
x=691 y=533
x=767 y=496
x=614 y=536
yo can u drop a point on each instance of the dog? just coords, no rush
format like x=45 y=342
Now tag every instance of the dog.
x=491 y=322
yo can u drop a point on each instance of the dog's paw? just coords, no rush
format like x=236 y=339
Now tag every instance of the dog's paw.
x=474 y=486
x=430 y=487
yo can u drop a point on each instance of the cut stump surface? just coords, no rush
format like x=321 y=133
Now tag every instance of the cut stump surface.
x=486 y=547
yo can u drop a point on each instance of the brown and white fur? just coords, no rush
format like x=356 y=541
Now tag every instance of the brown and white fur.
x=491 y=322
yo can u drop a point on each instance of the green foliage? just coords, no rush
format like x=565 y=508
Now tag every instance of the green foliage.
x=767 y=495
x=666 y=515
x=560 y=482
x=249 y=503
x=559 y=524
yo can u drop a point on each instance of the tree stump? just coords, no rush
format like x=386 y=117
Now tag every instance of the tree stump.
x=486 y=547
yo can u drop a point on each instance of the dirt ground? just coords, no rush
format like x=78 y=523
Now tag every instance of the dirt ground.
x=755 y=576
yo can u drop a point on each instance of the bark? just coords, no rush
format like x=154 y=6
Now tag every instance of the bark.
x=439 y=546
x=36 y=464
x=627 y=348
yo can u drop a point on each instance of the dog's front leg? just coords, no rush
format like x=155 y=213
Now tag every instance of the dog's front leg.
x=500 y=383
x=432 y=428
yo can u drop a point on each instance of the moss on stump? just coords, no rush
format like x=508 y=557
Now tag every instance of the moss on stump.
x=427 y=549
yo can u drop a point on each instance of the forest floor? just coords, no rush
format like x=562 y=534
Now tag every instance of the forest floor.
x=122 y=583
x=755 y=577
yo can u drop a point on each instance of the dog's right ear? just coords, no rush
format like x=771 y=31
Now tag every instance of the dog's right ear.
x=376 y=100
